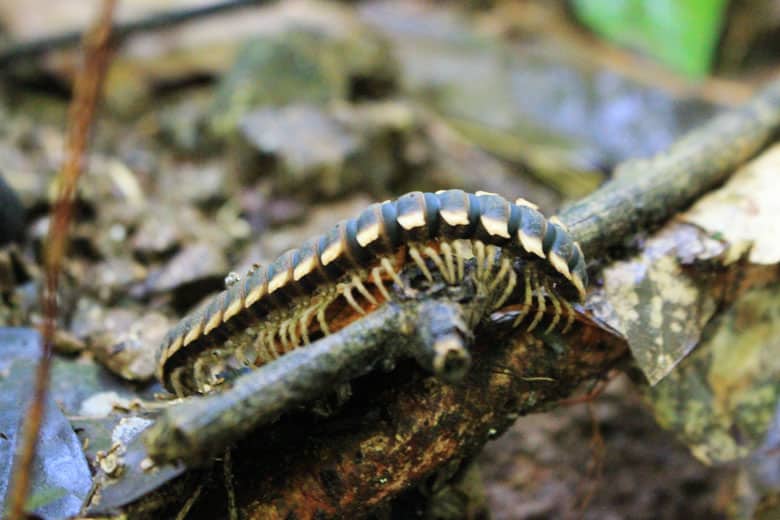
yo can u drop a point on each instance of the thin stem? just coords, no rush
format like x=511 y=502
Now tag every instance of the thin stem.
x=87 y=89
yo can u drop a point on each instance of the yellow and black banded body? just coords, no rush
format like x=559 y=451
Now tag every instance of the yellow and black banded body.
x=332 y=280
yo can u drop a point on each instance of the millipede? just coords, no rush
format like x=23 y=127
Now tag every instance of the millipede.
x=510 y=252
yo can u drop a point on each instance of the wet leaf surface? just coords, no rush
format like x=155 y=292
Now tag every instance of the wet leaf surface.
x=659 y=301
x=61 y=478
x=663 y=298
x=700 y=308
x=722 y=398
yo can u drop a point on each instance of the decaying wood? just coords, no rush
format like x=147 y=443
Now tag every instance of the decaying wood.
x=400 y=428
x=398 y=432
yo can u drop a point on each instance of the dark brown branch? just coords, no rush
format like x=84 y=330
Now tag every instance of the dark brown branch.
x=32 y=49
x=87 y=90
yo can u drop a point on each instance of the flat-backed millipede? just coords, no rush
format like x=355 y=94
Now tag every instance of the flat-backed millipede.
x=518 y=256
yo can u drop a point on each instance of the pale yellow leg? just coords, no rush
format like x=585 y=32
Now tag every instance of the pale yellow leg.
x=176 y=382
x=569 y=316
x=293 y=333
x=199 y=371
x=270 y=343
x=376 y=276
x=479 y=254
x=509 y=287
x=460 y=258
x=262 y=348
x=358 y=283
x=433 y=255
x=490 y=258
x=418 y=259
x=305 y=318
x=503 y=272
x=556 y=318
x=259 y=347
x=527 y=300
x=391 y=271
x=446 y=250
x=321 y=319
x=541 y=306
x=346 y=291
x=282 y=331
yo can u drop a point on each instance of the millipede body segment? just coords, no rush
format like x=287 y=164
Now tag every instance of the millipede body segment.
x=509 y=250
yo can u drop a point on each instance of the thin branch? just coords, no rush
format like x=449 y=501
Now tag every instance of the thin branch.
x=24 y=51
x=208 y=423
x=88 y=85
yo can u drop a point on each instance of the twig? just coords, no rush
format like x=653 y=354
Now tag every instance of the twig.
x=27 y=50
x=88 y=83
x=295 y=378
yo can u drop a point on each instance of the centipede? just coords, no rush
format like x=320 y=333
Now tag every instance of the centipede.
x=517 y=258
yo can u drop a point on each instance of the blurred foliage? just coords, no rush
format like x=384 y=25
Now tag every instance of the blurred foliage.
x=681 y=33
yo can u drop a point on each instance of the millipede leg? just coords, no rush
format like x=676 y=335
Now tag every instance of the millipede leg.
x=304 y=321
x=199 y=371
x=490 y=259
x=321 y=319
x=270 y=343
x=261 y=350
x=385 y=262
x=503 y=271
x=376 y=276
x=347 y=293
x=282 y=331
x=418 y=259
x=460 y=257
x=509 y=287
x=479 y=254
x=446 y=250
x=304 y=325
x=569 y=316
x=179 y=388
x=433 y=255
x=527 y=300
x=557 y=317
x=540 y=308
x=358 y=283
x=292 y=332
